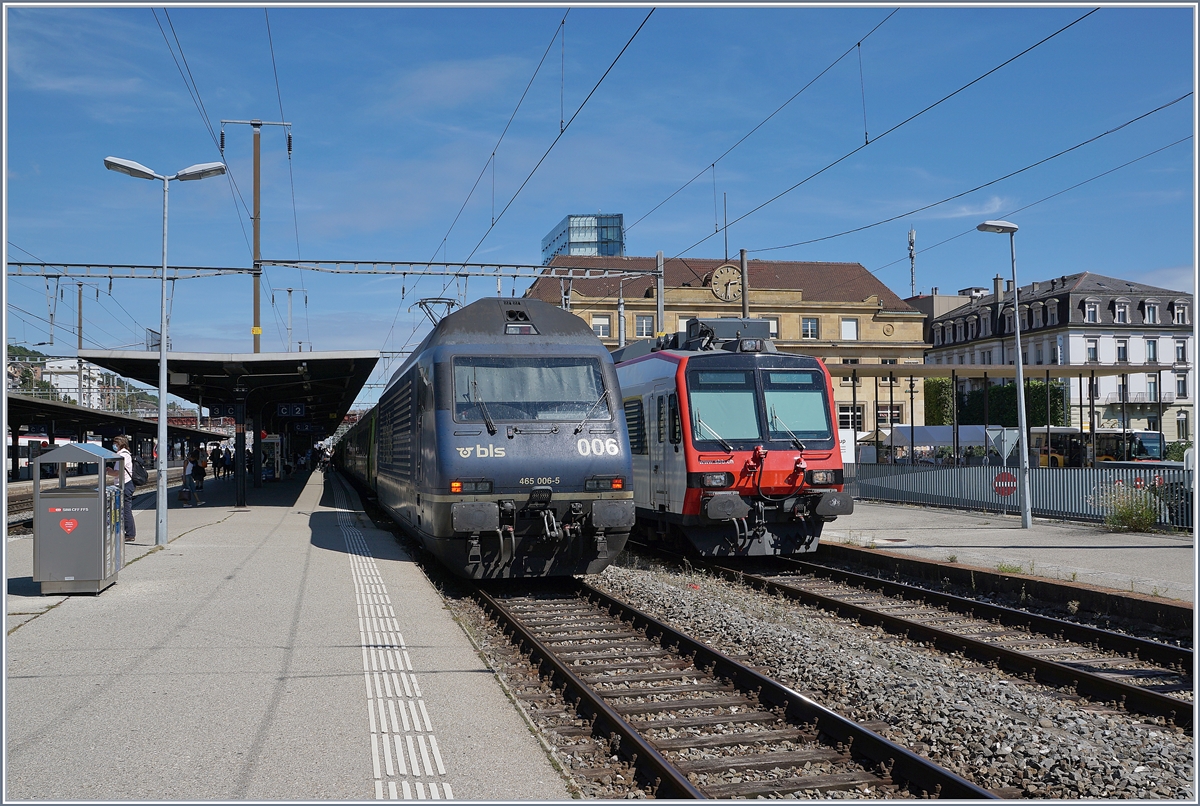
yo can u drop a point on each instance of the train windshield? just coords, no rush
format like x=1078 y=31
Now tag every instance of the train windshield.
x=528 y=388
x=723 y=405
x=796 y=405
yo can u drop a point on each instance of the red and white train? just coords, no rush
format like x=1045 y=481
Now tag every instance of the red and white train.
x=735 y=447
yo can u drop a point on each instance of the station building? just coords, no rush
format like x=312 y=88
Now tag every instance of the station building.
x=1084 y=320
x=838 y=312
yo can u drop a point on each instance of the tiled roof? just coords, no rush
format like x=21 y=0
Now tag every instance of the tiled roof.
x=820 y=282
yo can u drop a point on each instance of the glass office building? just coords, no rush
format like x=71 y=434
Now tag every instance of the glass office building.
x=596 y=235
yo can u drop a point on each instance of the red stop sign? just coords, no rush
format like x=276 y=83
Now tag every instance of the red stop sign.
x=1005 y=483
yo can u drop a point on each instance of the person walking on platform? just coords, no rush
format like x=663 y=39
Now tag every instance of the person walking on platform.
x=121 y=446
x=190 y=470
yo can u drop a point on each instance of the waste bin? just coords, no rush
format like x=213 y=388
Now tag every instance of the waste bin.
x=77 y=540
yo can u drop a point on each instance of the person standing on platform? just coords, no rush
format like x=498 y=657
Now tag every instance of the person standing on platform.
x=190 y=469
x=121 y=446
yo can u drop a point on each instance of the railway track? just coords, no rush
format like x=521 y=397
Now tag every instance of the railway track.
x=1134 y=673
x=687 y=721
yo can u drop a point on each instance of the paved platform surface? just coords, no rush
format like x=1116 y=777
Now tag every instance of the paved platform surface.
x=1155 y=564
x=287 y=651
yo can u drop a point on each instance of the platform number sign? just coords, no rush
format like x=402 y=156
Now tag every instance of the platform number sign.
x=222 y=410
x=289 y=410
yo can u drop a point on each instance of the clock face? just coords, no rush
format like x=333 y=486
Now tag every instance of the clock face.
x=727 y=283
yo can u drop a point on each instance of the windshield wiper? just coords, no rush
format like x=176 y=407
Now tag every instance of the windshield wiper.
x=487 y=418
x=603 y=396
x=795 y=439
x=728 y=448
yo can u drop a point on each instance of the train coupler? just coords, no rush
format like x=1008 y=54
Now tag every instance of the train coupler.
x=601 y=545
x=551 y=525
x=474 y=555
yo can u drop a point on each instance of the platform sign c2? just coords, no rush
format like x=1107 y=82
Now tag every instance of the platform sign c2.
x=289 y=410
x=1005 y=484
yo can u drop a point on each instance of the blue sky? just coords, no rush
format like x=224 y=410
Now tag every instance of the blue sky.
x=395 y=112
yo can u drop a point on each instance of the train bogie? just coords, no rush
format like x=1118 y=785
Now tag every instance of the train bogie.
x=500 y=445
x=735 y=450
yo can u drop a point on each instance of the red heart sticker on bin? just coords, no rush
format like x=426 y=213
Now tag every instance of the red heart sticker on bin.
x=68 y=524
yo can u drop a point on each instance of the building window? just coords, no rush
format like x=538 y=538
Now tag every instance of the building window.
x=1025 y=319
x=1009 y=321
x=889 y=415
x=845 y=421
x=1038 y=353
x=849 y=330
x=962 y=359
x=1151 y=422
x=1052 y=314
x=810 y=328
x=1181 y=427
x=1151 y=313
x=1122 y=350
x=1037 y=317
x=985 y=357
x=1152 y=388
x=602 y=325
x=971 y=329
x=1181 y=385
x=984 y=326
x=772 y=326
x=958 y=331
x=848 y=379
x=1121 y=391
x=1093 y=351
x=1121 y=313
x=1091 y=312
x=644 y=326
x=937 y=335
x=1181 y=351
x=1151 y=351
x=1181 y=314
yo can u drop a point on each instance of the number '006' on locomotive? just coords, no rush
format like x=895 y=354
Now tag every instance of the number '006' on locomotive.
x=735 y=450
x=501 y=446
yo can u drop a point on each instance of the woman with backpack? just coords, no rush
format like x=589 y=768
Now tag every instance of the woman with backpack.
x=191 y=471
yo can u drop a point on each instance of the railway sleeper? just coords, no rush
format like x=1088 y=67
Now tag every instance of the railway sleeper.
x=734 y=739
x=838 y=781
x=648 y=677
x=781 y=759
x=642 y=691
x=574 y=637
x=760 y=717
x=673 y=705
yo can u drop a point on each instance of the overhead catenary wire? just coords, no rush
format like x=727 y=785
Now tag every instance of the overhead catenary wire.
x=896 y=127
x=989 y=183
x=765 y=120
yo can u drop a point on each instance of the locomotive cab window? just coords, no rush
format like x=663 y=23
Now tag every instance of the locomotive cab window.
x=796 y=405
x=722 y=404
x=528 y=388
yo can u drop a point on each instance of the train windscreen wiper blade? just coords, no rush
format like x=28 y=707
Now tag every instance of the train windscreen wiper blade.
x=487 y=418
x=728 y=448
x=795 y=439
x=603 y=396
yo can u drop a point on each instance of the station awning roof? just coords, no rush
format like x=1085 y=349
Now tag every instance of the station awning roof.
x=26 y=410
x=313 y=391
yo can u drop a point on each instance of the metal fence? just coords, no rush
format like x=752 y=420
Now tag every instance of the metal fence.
x=1067 y=493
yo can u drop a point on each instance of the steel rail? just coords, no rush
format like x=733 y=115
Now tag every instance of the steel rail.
x=1144 y=648
x=1048 y=672
x=903 y=763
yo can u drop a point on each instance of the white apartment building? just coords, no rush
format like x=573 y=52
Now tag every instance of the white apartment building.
x=1085 y=320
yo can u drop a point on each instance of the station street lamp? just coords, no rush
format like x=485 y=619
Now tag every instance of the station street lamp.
x=139 y=171
x=1023 y=436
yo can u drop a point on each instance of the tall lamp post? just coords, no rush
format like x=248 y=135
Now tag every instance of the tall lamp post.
x=139 y=171
x=1023 y=436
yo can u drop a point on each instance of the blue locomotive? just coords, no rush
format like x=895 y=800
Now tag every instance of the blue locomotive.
x=501 y=444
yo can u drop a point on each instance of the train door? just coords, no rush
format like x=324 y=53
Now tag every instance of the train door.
x=674 y=459
x=656 y=407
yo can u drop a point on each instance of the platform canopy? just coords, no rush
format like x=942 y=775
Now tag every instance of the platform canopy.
x=925 y=436
x=24 y=410
x=306 y=392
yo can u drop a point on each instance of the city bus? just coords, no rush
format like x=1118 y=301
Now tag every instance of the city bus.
x=1070 y=447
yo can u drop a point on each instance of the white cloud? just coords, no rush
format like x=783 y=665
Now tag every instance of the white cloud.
x=1175 y=278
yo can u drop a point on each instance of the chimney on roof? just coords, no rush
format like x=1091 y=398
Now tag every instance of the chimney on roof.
x=1008 y=286
x=934 y=291
x=997 y=284
x=1053 y=283
x=1034 y=286
x=1064 y=281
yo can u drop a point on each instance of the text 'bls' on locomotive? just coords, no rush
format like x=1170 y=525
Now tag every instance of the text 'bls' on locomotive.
x=501 y=446
x=735 y=449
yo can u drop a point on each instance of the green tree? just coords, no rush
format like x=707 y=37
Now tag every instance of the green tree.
x=1002 y=405
x=937 y=401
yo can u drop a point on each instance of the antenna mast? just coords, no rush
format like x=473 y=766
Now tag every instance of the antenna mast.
x=912 y=261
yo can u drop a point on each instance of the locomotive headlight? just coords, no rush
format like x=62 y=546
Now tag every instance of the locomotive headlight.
x=477 y=486
x=604 y=483
x=819 y=477
x=716 y=480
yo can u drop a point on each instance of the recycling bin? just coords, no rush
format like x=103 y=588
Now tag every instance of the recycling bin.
x=77 y=531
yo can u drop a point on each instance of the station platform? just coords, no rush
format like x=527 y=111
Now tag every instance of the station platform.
x=1150 y=564
x=286 y=651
